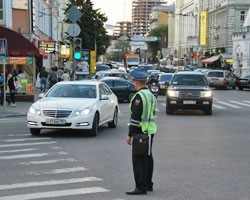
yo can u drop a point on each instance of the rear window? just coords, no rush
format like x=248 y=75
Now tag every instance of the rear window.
x=192 y=79
x=165 y=77
x=215 y=74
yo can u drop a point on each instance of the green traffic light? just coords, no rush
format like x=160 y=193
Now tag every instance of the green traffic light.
x=77 y=55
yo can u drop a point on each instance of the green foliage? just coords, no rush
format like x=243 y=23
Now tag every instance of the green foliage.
x=92 y=26
x=157 y=45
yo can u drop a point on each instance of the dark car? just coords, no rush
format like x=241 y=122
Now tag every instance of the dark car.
x=189 y=90
x=123 y=89
x=114 y=73
x=243 y=82
x=163 y=82
x=100 y=67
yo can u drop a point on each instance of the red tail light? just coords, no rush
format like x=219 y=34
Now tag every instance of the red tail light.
x=224 y=81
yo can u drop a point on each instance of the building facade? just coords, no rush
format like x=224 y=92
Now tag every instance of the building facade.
x=122 y=29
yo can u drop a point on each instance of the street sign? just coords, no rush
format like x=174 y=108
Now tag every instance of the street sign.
x=138 y=38
x=48 y=46
x=74 y=30
x=3 y=47
x=73 y=14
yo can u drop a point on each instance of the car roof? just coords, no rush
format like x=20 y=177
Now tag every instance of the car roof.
x=81 y=82
x=113 y=78
x=189 y=73
x=166 y=74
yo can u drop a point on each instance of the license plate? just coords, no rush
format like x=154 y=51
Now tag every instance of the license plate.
x=189 y=102
x=55 y=121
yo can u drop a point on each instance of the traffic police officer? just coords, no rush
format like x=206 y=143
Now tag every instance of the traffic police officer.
x=142 y=107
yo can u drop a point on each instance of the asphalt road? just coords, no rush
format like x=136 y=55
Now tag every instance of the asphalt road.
x=197 y=157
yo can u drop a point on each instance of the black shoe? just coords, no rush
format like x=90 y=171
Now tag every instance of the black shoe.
x=150 y=189
x=136 y=192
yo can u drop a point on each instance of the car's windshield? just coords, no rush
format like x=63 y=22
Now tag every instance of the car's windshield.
x=189 y=80
x=215 y=74
x=73 y=91
x=246 y=76
x=165 y=77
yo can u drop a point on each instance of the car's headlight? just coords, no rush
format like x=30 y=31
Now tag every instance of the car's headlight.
x=33 y=110
x=206 y=93
x=85 y=111
x=173 y=93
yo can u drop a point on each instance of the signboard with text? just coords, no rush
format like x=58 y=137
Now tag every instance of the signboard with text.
x=48 y=46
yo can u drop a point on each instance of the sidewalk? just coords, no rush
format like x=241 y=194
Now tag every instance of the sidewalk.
x=21 y=108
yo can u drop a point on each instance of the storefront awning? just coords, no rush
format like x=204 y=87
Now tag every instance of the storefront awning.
x=17 y=44
x=211 y=59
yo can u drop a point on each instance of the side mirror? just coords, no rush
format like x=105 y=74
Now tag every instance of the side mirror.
x=104 y=97
x=41 y=95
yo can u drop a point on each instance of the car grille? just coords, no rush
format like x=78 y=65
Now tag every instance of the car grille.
x=189 y=94
x=57 y=113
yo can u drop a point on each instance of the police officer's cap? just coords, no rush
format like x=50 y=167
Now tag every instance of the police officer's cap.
x=139 y=75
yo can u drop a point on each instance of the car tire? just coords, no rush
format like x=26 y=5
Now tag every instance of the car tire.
x=113 y=123
x=130 y=96
x=95 y=125
x=208 y=111
x=169 y=109
x=35 y=131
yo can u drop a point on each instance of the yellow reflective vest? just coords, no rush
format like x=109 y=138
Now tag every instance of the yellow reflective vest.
x=147 y=124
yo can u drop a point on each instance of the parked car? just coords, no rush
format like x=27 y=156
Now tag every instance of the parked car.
x=114 y=73
x=221 y=79
x=123 y=89
x=163 y=81
x=82 y=105
x=243 y=82
x=189 y=90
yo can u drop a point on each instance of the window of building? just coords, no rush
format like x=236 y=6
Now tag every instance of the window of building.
x=1 y=9
x=242 y=16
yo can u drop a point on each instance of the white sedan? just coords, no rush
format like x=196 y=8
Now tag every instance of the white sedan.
x=74 y=105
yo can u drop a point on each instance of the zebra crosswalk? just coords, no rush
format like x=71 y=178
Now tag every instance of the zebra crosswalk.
x=22 y=151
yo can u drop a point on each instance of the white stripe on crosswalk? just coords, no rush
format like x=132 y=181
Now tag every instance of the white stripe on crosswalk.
x=26 y=139
x=247 y=101
x=240 y=103
x=23 y=156
x=59 y=171
x=228 y=104
x=47 y=183
x=218 y=107
x=58 y=193
x=26 y=144
x=44 y=162
x=17 y=150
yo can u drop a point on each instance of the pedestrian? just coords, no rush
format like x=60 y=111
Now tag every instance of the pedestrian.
x=53 y=77
x=65 y=76
x=97 y=77
x=12 y=80
x=2 y=87
x=59 y=74
x=142 y=120
x=43 y=77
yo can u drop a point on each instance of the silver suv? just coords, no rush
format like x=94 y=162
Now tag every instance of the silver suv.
x=221 y=79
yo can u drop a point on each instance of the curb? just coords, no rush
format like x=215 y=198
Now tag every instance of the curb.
x=12 y=114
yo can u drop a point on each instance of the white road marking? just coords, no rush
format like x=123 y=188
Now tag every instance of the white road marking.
x=23 y=156
x=240 y=103
x=26 y=144
x=26 y=139
x=46 y=183
x=228 y=104
x=48 y=161
x=17 y=150
x=58 y=193
x=59 y=171
x=218 y=107
x=247 y=101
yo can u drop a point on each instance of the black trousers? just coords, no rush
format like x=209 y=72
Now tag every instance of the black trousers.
x=143 y=167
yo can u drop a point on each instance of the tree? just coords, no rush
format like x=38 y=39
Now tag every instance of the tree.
x=156 y=46
x=92 y=26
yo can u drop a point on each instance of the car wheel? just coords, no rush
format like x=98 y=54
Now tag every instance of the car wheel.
x=35 y=131
x=169 y=109
x=208 y=111
x=130 y=96
x=113 y=123
x=240 y=88
x=95 y=125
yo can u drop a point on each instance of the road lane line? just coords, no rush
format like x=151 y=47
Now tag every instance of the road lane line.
x=26 y=144
x=58 y=193
x=218 y=107
x=59 y=171
x=247 y=101
x=17 y=150
x=44 y=162
x=26 y=139
x=47 y=183
x=23 y=156
x=228 y=104
x=240 y=103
